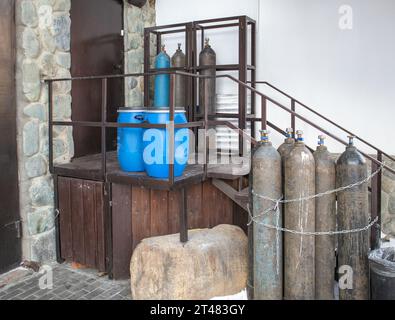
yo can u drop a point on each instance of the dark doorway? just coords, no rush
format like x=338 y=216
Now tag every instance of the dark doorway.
x=10 y=243
x=97 y=48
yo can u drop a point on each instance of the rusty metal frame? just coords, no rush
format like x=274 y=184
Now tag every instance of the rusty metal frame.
x=191 y=29
x=190 y=73
x=376 y=185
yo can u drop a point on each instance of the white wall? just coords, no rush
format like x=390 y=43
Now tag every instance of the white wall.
x=348 y=75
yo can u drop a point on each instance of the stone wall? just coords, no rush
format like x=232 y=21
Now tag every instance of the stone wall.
x=43 y=51
x=136 y=20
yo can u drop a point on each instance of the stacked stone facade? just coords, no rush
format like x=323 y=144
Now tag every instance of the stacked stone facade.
x=135 y=21
x=43 y=51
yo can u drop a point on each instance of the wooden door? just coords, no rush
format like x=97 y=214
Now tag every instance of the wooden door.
x=97 y=49
x=10 y=243
x=82 y=222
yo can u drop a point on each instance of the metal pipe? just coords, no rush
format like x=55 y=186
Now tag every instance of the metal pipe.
x=293 y=120
x=171 y=131
x=264 y=114
x=184 y=217
x=147 y=65
x=376 y=204
x=242 y=77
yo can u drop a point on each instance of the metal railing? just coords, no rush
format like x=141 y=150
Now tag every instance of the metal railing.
x=206 y=123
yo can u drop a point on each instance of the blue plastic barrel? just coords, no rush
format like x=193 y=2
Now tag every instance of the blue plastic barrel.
x=130 y=148
x=156 y=144
x=162 y=82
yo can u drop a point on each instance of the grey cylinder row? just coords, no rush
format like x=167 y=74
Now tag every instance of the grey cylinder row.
x=293 y=265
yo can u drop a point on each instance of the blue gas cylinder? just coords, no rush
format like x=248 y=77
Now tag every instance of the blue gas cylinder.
x=130 y=148
x=156 y=144
x=162 y=82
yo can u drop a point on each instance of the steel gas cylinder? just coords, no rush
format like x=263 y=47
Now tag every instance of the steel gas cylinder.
x=207 y=86
x=268 y=262
x=299 y=249
x=325 y=220
x=353 y=212
x=178 y=61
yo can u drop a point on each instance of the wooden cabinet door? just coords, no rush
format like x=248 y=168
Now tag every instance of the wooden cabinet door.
x=82 y=222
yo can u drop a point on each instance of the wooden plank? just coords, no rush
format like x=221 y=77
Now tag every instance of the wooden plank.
x=208 y=204
x=217 y=206
x=159 y=213
x=89 y=168
x=175 y=207
x=122 y=230
x=100 y=226
x=141 y=215
x=66 y=240
x=194 y=206
x=240 y=217
x=77 y=220
x=228 y=190
x=90 y=229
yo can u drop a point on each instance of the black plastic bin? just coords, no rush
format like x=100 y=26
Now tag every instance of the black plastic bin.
x=382 y=274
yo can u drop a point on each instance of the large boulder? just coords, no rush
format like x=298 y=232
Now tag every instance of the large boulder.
x=212 y=263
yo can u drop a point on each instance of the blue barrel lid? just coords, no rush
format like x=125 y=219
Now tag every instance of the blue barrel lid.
x=164 y=110
x=132 y=109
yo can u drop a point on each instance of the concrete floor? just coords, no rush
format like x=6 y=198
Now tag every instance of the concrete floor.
x=67 y=284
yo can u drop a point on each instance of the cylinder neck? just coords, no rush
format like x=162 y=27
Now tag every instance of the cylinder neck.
x=289 y=136
x=299 y=139
x=321 y=143
x=351 y=145
x=265 y=137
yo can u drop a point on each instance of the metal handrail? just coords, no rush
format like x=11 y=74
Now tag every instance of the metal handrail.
x=263 y=96
x=324 y=118
x=376 y=183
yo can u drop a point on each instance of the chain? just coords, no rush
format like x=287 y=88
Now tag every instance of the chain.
x=309 y=233
x=276 y=209
x=322 y=194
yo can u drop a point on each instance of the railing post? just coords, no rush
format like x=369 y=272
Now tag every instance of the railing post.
x=103 y=127
x=50 y=126
x=293 y=118
x=376 y=204
x=264 y=113
x=242 y=77
x=184 y=217
x=171 y=131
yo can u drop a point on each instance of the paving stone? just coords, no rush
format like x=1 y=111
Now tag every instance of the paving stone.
x=27 y=293
x=95 y=293
x=46 y=297
x=68 y=285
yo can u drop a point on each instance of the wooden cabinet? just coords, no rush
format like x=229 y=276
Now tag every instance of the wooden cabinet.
x=101 y=232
